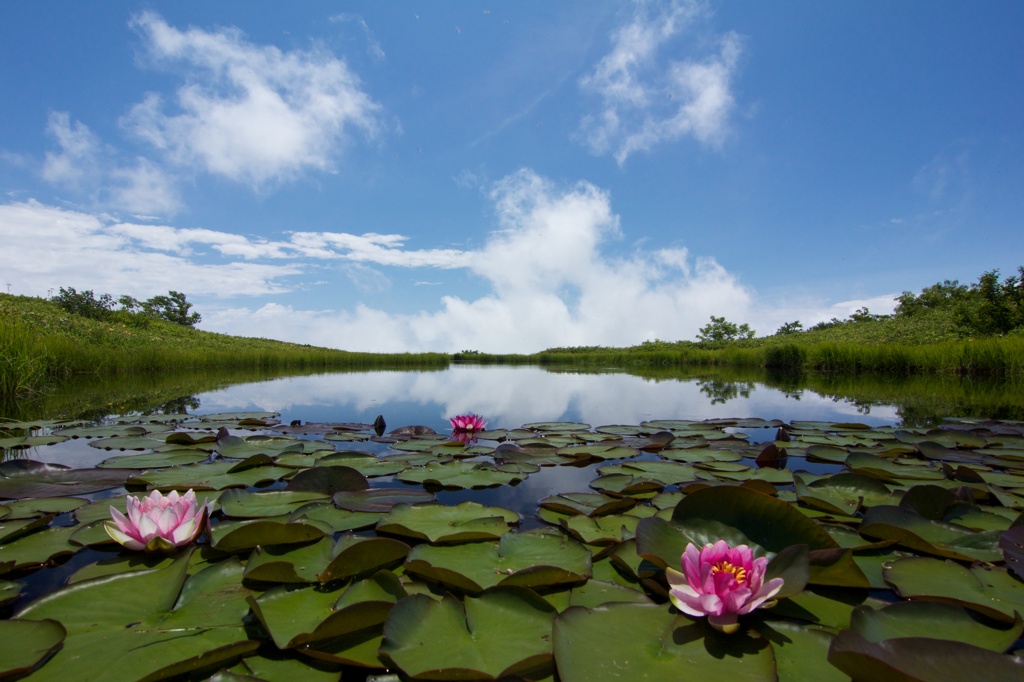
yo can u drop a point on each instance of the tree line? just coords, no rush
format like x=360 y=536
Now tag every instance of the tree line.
x=989 y=307
x=172 y=307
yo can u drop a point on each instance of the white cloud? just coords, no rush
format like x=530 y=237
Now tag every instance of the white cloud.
x=47 y=247
x=250 y=113
x=550 y=284
x=79 y=148
x=86 y=166
x=646 y=102
x=555 y=272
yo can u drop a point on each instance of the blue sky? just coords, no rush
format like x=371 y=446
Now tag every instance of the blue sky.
x=507 y=177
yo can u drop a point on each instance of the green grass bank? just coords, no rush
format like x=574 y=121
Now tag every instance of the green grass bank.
x=41 y=343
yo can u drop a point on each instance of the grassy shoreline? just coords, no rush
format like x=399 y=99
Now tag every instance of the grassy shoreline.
x=40 y=344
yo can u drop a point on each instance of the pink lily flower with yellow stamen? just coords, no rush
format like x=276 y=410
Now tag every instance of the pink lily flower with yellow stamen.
x=158 y=523
x=467 y=423
x=722 y=583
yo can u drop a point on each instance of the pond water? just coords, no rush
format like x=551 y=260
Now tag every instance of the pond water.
x=508 y=397
x=877 y=432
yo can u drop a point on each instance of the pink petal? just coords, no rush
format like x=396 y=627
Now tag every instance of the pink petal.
x=121 y=538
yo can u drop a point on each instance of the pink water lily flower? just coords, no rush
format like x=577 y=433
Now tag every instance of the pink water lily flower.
x=720 y=582
x=158 y=523
x=467 y=423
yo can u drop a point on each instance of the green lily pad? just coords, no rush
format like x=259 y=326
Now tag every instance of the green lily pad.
x=842 y=493
x=26 y=643
x=910 y=529
x=9 y=590
x=589 y=504
x=535 y=559
x=459 y=474
x=379 y=499
x=21 y=478
x=35 y=549
x=747 y=516
x=214 y=476
x=246 y=535
x=919 y=658
x=31 y=508
x=301 y=616
x=437 y=523
x=601 y=530
x=182 y=625
x=365 y=463
x=243 y=504
x=698 y=455
x=936 y=620
x=502 y=633
x=667 y=473
x=155 y=460
x=892 y=470
x=112 y=431
x=990 y=591
x=234 y=447
x=25 y=442
x=589 y=644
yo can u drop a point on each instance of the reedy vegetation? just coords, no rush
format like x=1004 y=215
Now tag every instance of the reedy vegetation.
x=41 y=343
x=947 y=329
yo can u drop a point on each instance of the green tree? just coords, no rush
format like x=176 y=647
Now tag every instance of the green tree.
x=947 y=294
x=720 y=329
x=84 y=303
x=790 y=328
x=173 y=307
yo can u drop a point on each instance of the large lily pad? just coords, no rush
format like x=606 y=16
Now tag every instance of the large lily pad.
x=990 y=591
x=936 y=620
x=182 y=625
x=300 y=616
x=590 y=644
x=459 y=474
x=21 y=478
x=536 y=559
x=910 y=529
x=26 y=643
x=921 y=659
x=438 y=523
x=502 y=633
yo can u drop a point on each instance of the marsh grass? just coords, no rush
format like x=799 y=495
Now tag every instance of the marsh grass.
x=41 y=343
x=999 y=357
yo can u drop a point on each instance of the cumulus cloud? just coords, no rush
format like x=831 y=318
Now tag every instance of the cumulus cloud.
x=556 y=271
x=247 y=112
x=647 y=101
x=555 y=275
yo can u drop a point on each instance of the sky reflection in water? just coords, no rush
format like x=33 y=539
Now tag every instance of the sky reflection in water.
x=508 y=397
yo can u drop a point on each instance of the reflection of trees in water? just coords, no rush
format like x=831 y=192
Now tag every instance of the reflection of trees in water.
x=179 y=405
x=720 y=391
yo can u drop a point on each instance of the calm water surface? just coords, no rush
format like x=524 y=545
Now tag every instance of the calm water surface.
x=508 y=397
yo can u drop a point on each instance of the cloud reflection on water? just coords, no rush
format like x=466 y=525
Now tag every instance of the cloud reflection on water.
x=511 y=396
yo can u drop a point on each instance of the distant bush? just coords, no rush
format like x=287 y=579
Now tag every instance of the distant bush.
x=785 y=356
x=174 y=307
x=720 y=329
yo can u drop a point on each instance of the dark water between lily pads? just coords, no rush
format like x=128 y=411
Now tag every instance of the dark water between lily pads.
x=747 y=405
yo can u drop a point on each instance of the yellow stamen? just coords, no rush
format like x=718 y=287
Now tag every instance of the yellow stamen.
x=738 y=572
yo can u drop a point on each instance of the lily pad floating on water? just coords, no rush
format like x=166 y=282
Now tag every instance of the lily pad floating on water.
x=503 y=633
x=460 y=474
x=21 y=478
x=437 y=523
x=539 y=558
x=105 y=631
